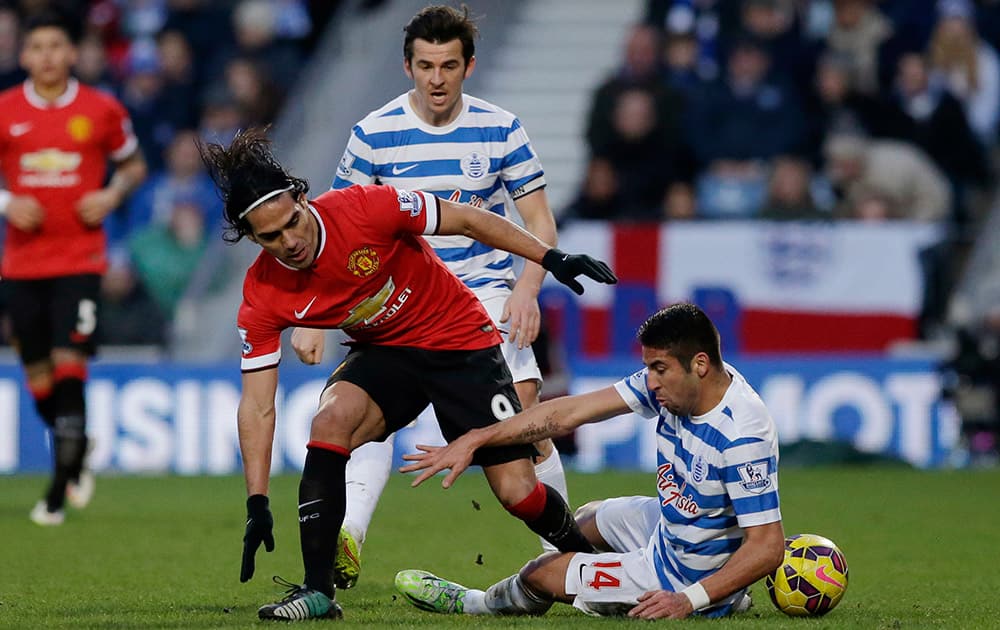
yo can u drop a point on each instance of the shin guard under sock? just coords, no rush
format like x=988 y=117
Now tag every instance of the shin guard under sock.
x=322 y=501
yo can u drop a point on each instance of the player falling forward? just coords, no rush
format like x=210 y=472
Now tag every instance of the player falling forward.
x=354 y=259
x=712 y=531
x=437 y=139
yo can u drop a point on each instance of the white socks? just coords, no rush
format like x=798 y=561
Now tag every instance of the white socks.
x=551 y=473
x=506 y=597
x=367 y=473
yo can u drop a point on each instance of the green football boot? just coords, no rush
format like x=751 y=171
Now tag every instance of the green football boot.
x=428 y=592
x=347 y=563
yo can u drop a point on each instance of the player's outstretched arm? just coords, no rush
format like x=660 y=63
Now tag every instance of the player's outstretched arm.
x=488 y=228
x=549 y=419
x=255 y=420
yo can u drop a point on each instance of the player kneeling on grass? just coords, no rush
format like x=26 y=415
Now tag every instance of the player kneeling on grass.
x=712 y=531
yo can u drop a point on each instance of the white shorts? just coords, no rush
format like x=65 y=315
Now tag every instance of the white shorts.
x=610 y=583
x=522 y=364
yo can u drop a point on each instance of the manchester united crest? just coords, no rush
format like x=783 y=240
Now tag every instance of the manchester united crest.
x=363 y=262
x=80 y=128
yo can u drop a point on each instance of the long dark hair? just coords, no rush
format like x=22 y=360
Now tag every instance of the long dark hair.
x=243 y=173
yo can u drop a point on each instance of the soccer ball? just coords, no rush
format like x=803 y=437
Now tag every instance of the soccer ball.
x=812 y=579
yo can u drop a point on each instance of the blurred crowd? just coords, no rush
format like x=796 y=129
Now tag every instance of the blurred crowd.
x=185 y=70
x=799 y=109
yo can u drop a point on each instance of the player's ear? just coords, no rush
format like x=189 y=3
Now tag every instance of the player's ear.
x=407 y=68
x=700 y=364
x=469 y=67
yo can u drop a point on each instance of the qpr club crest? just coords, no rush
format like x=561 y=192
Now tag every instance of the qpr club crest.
x=754 y=476
x=475 y=165
x=363 y=262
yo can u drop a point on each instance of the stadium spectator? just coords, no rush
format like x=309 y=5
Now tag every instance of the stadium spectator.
x=144 y=95
x=724 y=132
x=184 y=178
x=129 y=317
x=834 y=106
x=600 y=193
x=726 y=119
x=938 y=125
x=491 y=158
x=92 y=65
x=401 y=307
x=789 y=197
x=180 y=77
x=859 y=32
x=252 y=90
x=165 y=256
x=666 y=556
x=968 y=66
x=11 y=72
x=773 y=23
x=58 y=136
x=898 y=171
x=642 y=69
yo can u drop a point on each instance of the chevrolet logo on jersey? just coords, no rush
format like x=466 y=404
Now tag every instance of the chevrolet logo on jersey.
x=49 y=168
x=51 y=161
x=369 y=309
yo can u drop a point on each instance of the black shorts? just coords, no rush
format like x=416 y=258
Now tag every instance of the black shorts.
x=468 y=389
x=52 y=313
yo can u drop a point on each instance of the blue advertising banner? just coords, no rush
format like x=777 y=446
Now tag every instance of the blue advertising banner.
x=176 y=418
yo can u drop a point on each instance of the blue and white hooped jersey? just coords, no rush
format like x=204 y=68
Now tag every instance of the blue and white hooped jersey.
x=480 y=158
x=716 y=473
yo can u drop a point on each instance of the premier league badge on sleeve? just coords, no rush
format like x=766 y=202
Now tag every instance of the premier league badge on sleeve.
x=410 y=202
x=754 y=476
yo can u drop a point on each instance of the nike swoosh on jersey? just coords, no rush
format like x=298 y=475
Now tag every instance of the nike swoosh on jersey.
x=19 y=129
x=396 y=170
x=302 y=313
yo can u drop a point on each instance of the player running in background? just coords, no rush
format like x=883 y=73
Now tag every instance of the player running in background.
x=354 y=259
x=712 y=531
x=56 y=137
x=436 y=139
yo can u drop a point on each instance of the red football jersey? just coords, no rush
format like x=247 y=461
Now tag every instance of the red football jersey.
x=375 y=277
x=57 y=151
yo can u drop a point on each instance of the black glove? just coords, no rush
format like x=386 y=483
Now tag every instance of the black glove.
x=260 y=524
x=566 y=267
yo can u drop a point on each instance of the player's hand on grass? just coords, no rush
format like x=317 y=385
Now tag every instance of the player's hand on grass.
x=25 y=213
x=566 y=267
x=308 y=344
x=97 y=204
x=260 y=524
x=457 y=456
x=661 y=605
x=521 y=311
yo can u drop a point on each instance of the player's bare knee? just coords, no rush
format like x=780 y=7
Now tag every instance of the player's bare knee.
x=537 y=574
x=586 y=519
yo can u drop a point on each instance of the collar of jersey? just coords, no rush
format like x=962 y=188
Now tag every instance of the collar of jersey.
x=322 y=241
x=64 y=99
x=421 y=124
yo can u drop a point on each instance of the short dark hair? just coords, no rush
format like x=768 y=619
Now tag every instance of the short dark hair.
x=243 y=173
x=440 y=24
x=682 y=330
x=51 y=18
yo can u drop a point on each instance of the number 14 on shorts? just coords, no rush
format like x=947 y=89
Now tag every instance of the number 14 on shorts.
x=598 y=575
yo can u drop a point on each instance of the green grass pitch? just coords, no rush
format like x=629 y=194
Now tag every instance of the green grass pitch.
x=163 y=552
